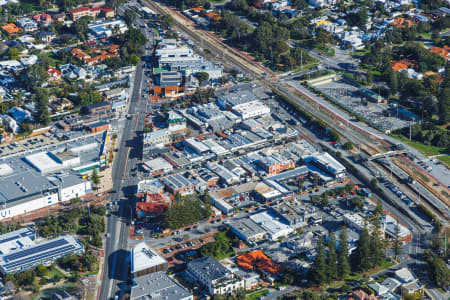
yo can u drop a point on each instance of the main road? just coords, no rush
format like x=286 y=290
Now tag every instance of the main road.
x=115 y=270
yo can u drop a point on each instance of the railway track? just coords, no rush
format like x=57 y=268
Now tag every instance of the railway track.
x=208 y=41
x=368 y=142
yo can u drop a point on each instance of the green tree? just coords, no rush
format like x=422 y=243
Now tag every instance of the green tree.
x=343 y=264
x=334 y=136
x=393 y=82
x=348 y=146
x=444 y=105
x=90 y=261
x=43 y=116
x=362 y=259
x=56 y=277
x=95 y=179
x=379 y=209
x=319 y=268
x=376 y=244
x=202 y=76
x=13 y=53
x=41 y=271
x=167 y=21
x=437 y=270
x=129 y=16
x=332 y=259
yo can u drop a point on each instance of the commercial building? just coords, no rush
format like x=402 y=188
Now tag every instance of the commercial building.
x=248 y=230
x=39 y=254
x=356 y=221
x=251 y=109
x=107 y=28
x=11 y=241
x=275 y=164
x=272 y=224
x=328 y=164
x=145 y=260
x=41 y=179
x=390 y=229
x=226 y=175
x=215 y=277
x=158 y=285
x=157 y=166
x=177 y=183
x=157 y=138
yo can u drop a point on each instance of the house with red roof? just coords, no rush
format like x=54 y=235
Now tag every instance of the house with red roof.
x=53 y=74
x=43 y=18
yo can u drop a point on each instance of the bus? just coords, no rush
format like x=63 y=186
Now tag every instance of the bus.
x=147 y=12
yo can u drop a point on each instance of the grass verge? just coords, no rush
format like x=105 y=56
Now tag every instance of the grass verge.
x=427 y=150
x=256 y=295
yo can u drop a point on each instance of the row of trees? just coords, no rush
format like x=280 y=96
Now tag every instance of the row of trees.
x=333 y=263
x=89 y=222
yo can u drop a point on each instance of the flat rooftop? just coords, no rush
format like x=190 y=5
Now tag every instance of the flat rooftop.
x=143 y=257
x=247 y=227
x=26 y=181
x=15 y=240
x=158 y=285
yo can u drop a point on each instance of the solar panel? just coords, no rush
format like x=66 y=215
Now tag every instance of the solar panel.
x=30 y=251
x=10 y=239
x=48 y=254
x=26 y=233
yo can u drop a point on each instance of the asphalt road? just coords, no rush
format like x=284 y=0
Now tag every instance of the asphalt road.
x=128 y=156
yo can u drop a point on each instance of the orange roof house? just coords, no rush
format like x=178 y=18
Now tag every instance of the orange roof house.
x=402 y=64
x=442 y=52
x=400 y=22
x=259 y=261
x=197 y=9
x=214 y=16
x=10 y=28
x=79 y=54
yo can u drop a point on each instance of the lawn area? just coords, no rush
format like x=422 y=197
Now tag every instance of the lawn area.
x=53 y=271
x=360 y=52
x=256 y=295
x=52 y=58
x=445 y=159
x=427 y=150
x=357 y=276
x=217 y=1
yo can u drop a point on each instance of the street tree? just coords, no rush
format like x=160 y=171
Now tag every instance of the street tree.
x=343 y=264
x=332 y=259
x=95 y=179
x=362 y=257
x=319 y=269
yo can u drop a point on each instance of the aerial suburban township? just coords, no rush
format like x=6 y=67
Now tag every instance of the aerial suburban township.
x=224 y=149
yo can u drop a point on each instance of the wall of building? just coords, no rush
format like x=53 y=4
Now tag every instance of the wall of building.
x=28 y=206
x=78 y=190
